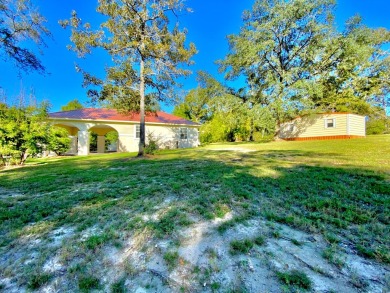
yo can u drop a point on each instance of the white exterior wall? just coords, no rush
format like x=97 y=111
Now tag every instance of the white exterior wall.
x=168 y=136
x=315 y=126
x=357 y=125
x=83 y=143
x=73 y=145
x=101 y=144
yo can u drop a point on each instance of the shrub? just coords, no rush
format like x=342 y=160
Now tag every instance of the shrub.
x=59 y=140
x=376 y=126
x=263 y=136
x=24 y=131
x=153 y=145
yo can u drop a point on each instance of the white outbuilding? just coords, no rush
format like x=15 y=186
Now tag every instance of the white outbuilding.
x=324 y=126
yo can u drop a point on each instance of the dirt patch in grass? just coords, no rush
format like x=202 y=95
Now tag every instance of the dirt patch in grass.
x=196 y=259
x=6 y=193
x=272 y=218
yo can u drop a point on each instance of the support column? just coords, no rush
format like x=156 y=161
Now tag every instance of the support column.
x=83 y=143
x=101 y=144
x=73 y=145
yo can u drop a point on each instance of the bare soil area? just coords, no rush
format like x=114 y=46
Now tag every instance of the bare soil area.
x=203 y=263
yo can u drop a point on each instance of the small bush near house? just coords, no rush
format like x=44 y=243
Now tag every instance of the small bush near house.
x=25 y=132
x=378 y=126
x=263 y=136
x=152 y=146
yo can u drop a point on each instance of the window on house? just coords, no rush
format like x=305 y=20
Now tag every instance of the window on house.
x=183 y=133
x=137 y=131
x=330 y=123
x=291 y=127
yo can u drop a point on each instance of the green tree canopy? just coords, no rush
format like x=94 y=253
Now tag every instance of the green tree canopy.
x=358 y=79
x=146 y=49
x=196 y=106
x=24 y=132
x=276 y=48
x=72 y=105
x=226 y=115
x=295 y=61
x=21 y=24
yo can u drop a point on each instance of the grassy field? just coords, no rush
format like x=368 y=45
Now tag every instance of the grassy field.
x=77 y=210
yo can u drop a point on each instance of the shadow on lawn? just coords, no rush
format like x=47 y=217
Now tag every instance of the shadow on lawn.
x=117 y=195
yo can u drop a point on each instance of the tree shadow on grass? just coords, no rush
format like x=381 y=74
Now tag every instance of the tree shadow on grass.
x=169 y=192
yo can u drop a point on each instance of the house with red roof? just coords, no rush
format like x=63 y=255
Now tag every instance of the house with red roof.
x=170 y=131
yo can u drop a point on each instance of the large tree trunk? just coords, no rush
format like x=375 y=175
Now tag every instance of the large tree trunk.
x=142 y=109
x=141 y=146
x=277 y=130
x=23 y=158
x=252 y=130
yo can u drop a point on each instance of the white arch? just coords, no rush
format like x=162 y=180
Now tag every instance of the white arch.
x=70 y=127
x=73 y=131
x=105 y=128
x=101 y=130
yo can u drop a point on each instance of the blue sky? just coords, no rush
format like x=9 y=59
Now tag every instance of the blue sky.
x=207 y=26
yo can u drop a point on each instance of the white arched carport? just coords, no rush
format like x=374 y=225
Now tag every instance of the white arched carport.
x=101 y=130
x=73 y=131
x=169 y=130
x=79 y=134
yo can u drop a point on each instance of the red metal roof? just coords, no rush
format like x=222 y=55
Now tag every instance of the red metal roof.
x=113 y=115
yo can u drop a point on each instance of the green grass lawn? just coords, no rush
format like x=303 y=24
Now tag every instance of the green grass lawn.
x=339 y=189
